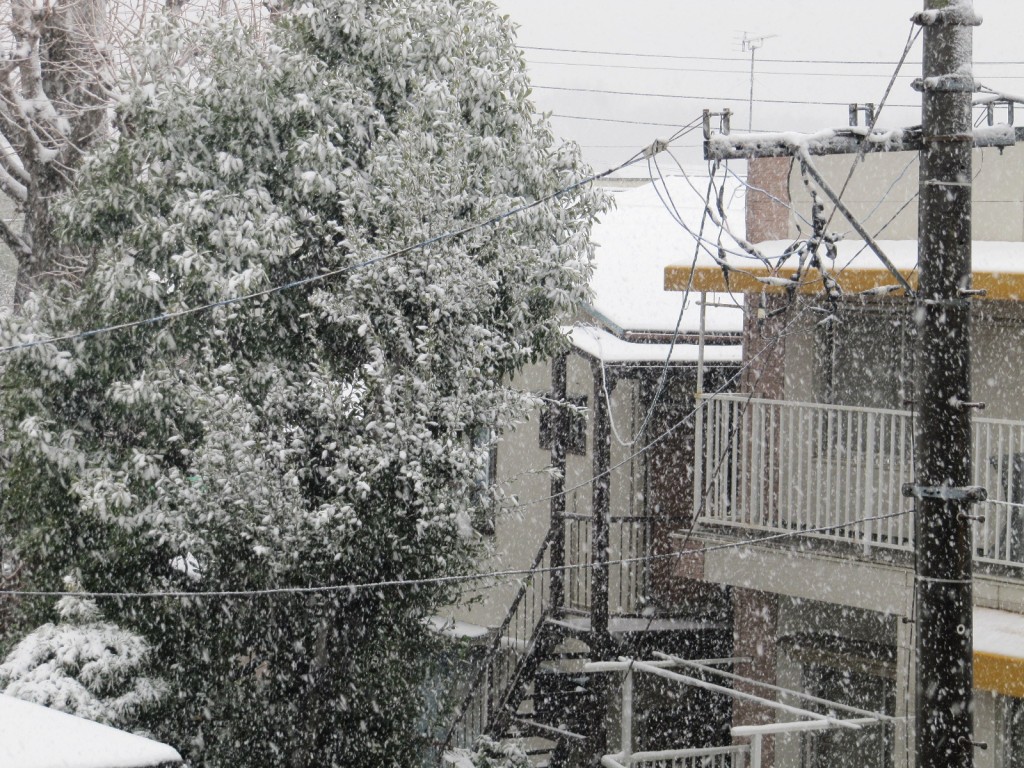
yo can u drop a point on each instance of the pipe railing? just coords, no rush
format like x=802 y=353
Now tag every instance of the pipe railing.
x=629 y=579
x=775 y=465
x=496 y=672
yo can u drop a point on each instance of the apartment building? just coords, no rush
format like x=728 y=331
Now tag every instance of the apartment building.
x=806 y=466
x=795 y=562
x=593 y=475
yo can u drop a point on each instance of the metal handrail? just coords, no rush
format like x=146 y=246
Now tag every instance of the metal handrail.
x=791 y=465
x=497 y=641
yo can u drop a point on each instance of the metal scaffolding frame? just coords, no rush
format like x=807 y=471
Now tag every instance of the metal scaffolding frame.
x=749 y=755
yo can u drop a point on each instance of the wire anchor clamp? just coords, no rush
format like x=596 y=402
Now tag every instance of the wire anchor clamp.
x=971 y=494
x=972 y=518
x=952 y=83
x=656 y=147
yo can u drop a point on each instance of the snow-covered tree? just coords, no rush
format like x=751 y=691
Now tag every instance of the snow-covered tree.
x=58 y=60
x=318 y=434
x=83 y=665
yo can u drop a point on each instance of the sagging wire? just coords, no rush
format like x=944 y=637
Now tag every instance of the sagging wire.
x=767 y=193
x=719 y=218
x=324 y=276
x=353 y=588
x=663 y=378
x=713 y=249
x=807 y=165
x=915 y=32
x=906 y=204
x=832 y=288
x=687 y=418
x=750 y=251
x=631 y=642
x=914 y=158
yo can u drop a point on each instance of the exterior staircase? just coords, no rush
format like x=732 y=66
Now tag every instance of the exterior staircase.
x=530 y=682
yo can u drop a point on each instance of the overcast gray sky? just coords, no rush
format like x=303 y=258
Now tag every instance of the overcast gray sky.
x=822 y=51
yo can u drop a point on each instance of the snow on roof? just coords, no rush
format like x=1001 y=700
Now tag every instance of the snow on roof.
x=639 y=238
x=999 y=632
x=986 y=255
x=33 y=736
x=602 y=345
x=998 y=267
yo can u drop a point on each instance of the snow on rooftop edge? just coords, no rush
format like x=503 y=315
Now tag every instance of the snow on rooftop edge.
x=999 y=632
x=602 y=345
x=987 y=256
x=639 y=238
x=33 y=736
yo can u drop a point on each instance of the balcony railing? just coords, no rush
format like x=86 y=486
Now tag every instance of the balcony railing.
x=630 y=540
x=837 y=472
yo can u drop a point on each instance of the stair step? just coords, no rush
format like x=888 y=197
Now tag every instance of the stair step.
x=574 y=624
x=547 y=731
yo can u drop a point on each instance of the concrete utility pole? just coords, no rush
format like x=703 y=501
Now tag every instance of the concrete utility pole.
x=944 y=707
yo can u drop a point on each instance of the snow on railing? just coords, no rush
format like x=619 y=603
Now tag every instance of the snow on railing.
x=775 y=465
x=737 y=756
x=490 y=690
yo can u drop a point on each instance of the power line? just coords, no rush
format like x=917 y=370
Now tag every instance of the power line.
x=668 y=432
x=176 y=314
x=354 y=587
x=736 y=60
x=614 y=120
x=712 y=99
x=710 y=70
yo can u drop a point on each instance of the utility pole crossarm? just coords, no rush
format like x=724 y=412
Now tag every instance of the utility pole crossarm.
x=841 y=141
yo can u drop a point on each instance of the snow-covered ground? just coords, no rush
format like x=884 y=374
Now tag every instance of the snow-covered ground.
x=32 y=736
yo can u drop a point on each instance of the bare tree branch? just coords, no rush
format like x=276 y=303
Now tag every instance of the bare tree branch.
x=18 y=246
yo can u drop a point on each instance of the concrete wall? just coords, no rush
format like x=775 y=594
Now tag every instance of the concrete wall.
x=522 y=465
x=885 y=182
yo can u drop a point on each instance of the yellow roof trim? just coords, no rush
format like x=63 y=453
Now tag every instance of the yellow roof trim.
x=999 y=674
x=754 y=278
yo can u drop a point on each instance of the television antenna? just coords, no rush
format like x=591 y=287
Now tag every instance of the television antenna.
x=752 y=43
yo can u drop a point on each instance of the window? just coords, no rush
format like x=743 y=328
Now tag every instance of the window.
x=485 y=440
x=1013 y=755
x=577 y=439
x=865 y=357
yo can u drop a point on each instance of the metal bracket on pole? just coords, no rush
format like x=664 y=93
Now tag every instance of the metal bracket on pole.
x=971 y=494
x=953 y=15
x=869 y=114
x=955 y=83
x=990 y=110
x=726 y=117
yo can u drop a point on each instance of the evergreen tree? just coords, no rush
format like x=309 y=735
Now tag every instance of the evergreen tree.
x=322 y=434
x=84 y=666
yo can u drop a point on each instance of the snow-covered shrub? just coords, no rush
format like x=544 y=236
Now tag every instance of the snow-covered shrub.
x=488 y=753
x=83 y=665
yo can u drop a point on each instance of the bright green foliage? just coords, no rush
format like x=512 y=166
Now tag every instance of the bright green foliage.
x=316 y=435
